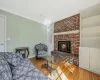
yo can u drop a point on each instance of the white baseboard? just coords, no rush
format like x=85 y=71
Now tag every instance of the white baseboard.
x=89 y=70
x=84 y=68
x=31 y=56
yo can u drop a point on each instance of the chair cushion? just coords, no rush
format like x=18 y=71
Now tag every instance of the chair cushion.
x=5 y=71
x=13 y=58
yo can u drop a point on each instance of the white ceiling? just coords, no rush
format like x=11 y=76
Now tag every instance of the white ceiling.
x=41 y=10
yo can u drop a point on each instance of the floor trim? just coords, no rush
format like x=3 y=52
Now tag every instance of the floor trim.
x=31 y=56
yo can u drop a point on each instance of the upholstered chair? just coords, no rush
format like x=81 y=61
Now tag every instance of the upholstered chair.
x=41 y=50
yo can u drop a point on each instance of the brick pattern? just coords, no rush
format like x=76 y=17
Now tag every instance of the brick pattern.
x=74 y=38
x=68 y=24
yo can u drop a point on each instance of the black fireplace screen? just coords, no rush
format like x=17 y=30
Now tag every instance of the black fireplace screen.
x=64 y=46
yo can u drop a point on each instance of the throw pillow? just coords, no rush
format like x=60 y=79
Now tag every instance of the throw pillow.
x=21 y=69
x=13 y=58
x=5 y=71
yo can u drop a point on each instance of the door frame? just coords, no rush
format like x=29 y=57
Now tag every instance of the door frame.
x=5 y=32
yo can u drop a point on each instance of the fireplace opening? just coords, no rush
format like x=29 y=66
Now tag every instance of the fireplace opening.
x=64 y=46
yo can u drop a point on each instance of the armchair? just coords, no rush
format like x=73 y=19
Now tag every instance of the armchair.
x=41 y=50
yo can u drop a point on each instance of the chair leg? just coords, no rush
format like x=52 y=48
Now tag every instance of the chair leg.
x=37 y=57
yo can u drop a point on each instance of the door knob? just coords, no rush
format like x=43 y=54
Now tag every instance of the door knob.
x=1 y=44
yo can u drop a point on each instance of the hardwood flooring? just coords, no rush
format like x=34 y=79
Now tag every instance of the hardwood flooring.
x=66 y=71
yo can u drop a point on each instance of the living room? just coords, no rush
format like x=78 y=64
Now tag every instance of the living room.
x=61 y=42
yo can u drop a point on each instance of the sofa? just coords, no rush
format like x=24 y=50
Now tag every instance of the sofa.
x=14 y=67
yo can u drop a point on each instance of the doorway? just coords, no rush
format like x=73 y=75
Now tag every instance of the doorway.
x=2 y=33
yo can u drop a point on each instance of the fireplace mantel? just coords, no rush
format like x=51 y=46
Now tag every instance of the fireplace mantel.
x=67 y=32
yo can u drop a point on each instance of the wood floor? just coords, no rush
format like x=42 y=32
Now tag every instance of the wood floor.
x=66 y=71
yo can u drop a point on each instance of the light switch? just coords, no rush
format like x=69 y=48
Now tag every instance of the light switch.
x=8 y=38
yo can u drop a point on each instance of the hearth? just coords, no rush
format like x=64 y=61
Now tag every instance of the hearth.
x=64 y=46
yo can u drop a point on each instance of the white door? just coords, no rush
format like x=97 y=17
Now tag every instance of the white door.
x=94 y=59
x=84 y=57
x=2 y=33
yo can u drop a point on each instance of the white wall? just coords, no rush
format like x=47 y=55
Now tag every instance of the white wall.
x=50 y=38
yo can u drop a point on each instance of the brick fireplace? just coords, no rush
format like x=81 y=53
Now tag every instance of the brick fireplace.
x=68 y=29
